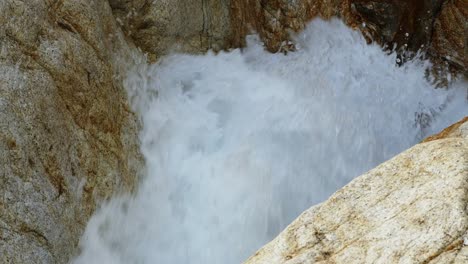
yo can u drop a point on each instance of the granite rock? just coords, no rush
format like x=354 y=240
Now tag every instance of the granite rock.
x=410 y=209
x=67 y=137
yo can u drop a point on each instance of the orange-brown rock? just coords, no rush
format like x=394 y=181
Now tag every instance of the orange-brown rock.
x=196 y=26
x=274 y=20
x=459 y=129
x=450 y=34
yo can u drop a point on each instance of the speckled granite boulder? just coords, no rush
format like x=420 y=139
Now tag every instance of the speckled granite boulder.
x=67 y=137
x=410 y=209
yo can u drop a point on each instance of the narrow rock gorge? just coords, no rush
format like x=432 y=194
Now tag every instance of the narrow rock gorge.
x=194 y=131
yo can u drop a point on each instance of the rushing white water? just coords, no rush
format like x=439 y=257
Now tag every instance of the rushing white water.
x=238 y=144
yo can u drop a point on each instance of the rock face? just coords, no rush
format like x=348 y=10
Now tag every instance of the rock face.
x=406 y=23
x=410 y=209
x=274 y=20
x=182 y=25
x=450 y=34
x=67 y=138
x=196 y=26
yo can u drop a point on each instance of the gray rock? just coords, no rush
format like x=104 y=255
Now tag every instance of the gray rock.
x=67 y=137
x=159 y=27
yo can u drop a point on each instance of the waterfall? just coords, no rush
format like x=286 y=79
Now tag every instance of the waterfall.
x=238 y=144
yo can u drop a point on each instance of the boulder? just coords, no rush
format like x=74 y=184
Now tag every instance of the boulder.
x=410 y=209
x=67 y=136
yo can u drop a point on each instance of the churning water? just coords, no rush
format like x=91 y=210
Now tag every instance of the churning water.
x=238 y=144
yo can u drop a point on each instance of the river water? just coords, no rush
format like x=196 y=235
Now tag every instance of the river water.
x=239 y=144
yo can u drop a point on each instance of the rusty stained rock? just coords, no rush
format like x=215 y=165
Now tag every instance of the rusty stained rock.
x=158 y=27
x=450 y=34
x=275 y=20
x=459 y=129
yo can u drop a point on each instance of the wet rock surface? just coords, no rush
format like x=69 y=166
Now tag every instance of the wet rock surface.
x=197 y=26
x=450 y=34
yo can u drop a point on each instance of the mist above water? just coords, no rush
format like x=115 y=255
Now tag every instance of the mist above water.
x=238 y=144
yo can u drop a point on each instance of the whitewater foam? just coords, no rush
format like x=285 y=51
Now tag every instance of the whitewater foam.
x=238 y=144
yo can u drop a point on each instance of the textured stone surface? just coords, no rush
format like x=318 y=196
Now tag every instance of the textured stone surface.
x=406 y=23
x=459 y=129
x=450 y=35
x=174 y=25
x=275 y=20
x=67 y=138
x=410 y=209
x=196 y=26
